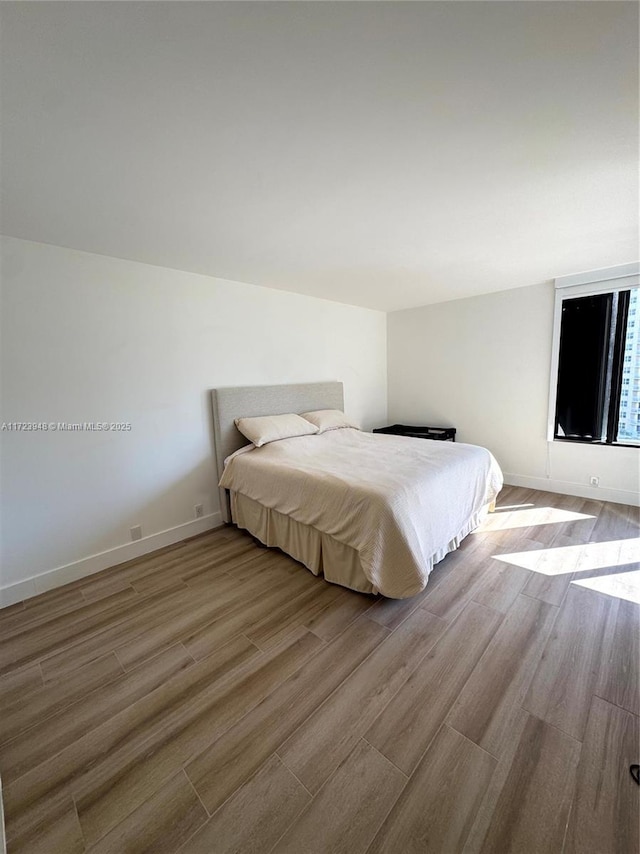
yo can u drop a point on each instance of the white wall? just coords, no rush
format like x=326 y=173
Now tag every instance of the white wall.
x=482 y=365
x=91 y=338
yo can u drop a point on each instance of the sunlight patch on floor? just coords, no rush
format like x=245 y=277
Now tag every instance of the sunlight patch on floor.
x=622 y=585
x=504 y=518
x=582 y=558
x=504 y=507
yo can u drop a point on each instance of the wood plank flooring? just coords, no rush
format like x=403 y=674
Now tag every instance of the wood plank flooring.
x=215 y=697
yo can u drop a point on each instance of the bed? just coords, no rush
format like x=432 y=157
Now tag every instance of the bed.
x=371 y=512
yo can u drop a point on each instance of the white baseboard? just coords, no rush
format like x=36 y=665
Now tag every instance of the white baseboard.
x=13 y=593
x=582 y=490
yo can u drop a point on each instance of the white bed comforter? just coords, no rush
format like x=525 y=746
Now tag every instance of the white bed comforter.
x=402 y=503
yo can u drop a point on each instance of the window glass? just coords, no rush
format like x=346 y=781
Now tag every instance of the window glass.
x=598 y=380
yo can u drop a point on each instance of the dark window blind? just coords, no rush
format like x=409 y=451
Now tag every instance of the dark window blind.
x=582 y=374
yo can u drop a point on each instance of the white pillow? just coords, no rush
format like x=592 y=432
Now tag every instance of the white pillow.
x=328 y=419
x=270 y=428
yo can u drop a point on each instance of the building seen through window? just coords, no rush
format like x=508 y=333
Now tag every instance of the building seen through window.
x=629 y=410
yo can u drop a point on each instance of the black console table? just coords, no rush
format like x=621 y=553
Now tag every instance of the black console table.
x=441 y=434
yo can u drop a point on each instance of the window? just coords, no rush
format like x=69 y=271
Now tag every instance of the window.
x=595 y=380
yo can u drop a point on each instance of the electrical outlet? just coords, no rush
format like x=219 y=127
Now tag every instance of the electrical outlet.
x=136 y=532
x=199 y=511
x=594 y=481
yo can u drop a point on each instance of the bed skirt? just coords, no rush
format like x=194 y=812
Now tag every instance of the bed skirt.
x=321 y=553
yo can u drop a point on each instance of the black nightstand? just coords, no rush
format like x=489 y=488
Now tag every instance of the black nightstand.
x=441 y=434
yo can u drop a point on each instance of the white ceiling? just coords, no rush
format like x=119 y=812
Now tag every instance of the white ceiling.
x=381 y=154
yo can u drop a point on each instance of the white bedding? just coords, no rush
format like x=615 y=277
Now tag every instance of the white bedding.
x=401 y=503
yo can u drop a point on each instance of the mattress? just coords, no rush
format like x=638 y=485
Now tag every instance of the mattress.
x=394 y=505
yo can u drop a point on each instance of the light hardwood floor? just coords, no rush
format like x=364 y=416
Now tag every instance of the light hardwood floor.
x=215 y=697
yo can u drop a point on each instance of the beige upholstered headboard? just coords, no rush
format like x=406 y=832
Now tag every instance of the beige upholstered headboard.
x=247 y=401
